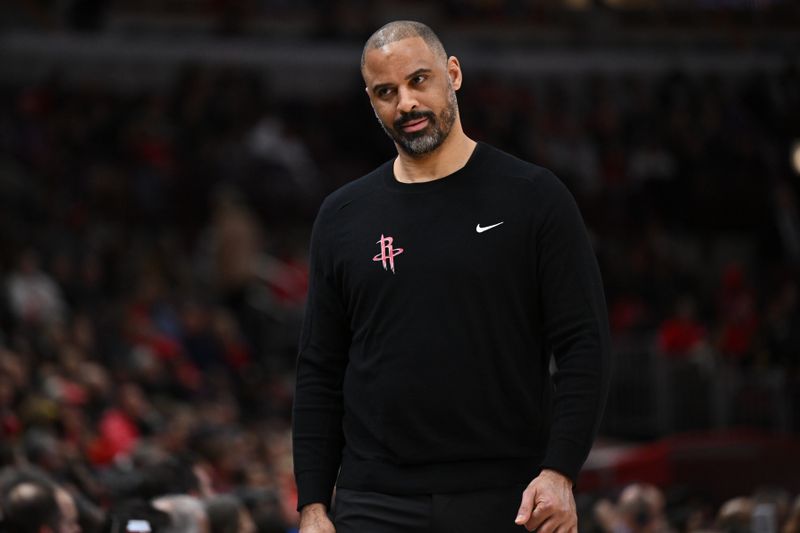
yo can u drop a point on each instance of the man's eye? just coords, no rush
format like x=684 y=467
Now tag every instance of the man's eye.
x=384 y=92
x=418 y=79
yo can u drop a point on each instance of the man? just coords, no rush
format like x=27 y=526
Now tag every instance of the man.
x=440 y=285
x=187 y=513
x=31 y=502
x=639 y=509
x=227 y=514
x=30 y=507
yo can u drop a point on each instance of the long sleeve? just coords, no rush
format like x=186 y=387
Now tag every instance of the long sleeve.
x=432 y=313
x=576 y=325
x=317 y=412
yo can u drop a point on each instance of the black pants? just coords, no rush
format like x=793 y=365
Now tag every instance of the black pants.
x=484 y=511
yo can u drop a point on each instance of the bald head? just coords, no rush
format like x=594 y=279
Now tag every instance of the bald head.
x=403 y=29
x=30 y=505
x=187 y=513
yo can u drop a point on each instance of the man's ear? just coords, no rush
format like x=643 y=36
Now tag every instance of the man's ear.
x=369 y=95
x=454 y=71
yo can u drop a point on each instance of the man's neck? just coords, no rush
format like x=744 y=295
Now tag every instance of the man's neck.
x=451 y=156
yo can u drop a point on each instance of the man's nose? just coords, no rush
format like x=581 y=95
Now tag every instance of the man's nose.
x=407 y=100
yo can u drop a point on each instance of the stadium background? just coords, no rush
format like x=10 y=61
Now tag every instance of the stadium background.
x=161 y=163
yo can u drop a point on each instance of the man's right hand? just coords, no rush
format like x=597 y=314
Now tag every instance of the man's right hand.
x=314 y=519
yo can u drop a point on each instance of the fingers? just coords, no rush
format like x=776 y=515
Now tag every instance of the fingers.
x=545 y=526
x=546 y=517
x=547 y=507
x=564 y=528
x=530 y=510
x=552 y=524
x=541 y=517
x=532 y=514
x=525 y=507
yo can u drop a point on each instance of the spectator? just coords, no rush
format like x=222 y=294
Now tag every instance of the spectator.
x=31 y=502
x=682 y=334
x=639 y=509
x=793 y=522
x=34 y=297
x=227 y=514
x=30 y=507
x=122 y=426
x=187 y=514
x=737 y=314
x=735 y=515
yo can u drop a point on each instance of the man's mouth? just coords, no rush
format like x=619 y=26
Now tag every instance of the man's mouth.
x=415 y=125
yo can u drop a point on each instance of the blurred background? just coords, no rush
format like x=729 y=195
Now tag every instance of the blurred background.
x=161 y=163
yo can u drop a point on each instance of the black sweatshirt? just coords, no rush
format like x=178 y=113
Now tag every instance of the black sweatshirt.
x=432 y=312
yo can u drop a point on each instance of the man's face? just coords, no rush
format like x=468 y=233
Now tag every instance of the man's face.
x=413 y=94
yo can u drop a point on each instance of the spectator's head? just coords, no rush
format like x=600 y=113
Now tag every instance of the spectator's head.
x=226 y=514
x=41 y=448
x=30 y=506
x=169 y=476
x=641 y=506
x=187 y=514
x=792 y=524
x=132 y=400
x=778 y=499
x=735 y=515
x=37 y=489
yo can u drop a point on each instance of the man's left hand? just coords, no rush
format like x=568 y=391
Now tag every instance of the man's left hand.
x=548 y=505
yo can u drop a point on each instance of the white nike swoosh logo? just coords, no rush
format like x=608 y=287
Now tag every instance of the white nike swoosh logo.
x=479 y=229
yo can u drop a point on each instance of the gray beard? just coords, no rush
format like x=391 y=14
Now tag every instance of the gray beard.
x=418 y=144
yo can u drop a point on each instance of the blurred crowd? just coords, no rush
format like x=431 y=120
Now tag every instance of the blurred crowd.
x=148 y=321
x=153 y=260
x=587 y=19
x=687 y=186
x=644 y=508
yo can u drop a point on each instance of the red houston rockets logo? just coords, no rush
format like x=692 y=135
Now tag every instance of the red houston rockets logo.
x=388 y=252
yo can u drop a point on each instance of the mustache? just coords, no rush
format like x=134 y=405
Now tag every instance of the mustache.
x=405 y=118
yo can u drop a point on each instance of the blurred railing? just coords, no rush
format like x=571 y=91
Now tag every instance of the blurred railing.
x=652 y=395
x=313 y=69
